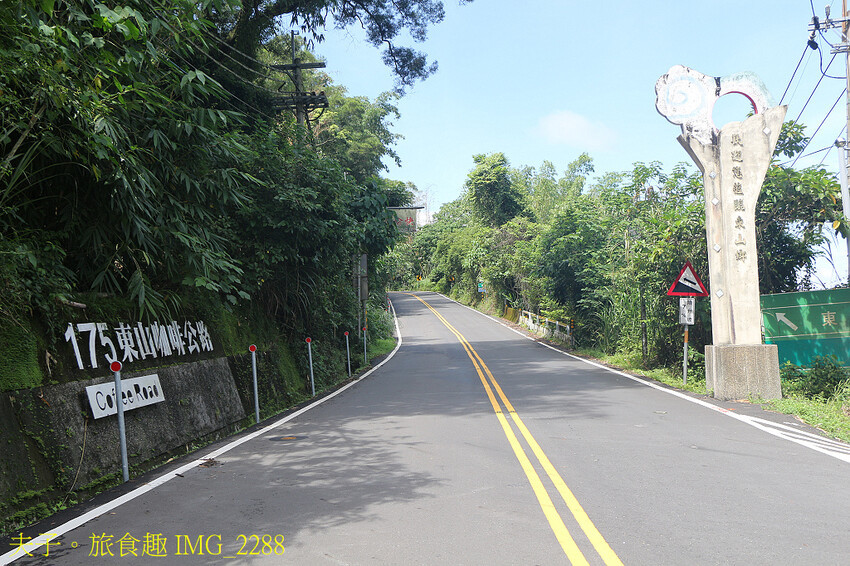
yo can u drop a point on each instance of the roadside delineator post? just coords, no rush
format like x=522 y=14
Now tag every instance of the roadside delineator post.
x=310 y=358
x=348 y=353
x=122 y=433
x=253 y=349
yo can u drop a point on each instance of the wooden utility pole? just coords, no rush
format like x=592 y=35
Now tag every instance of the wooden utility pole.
x=300 y=101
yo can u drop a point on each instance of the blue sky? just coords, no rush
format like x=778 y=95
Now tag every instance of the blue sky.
x=548 y=80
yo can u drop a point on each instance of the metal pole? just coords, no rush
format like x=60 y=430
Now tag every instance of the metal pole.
x=122 y=433
x=347 y=353
x=359 y=295
x=253 y=349
x=310 y=357
x=644 y=343
x=685 y=359
x=365 y=358
x=844 y=192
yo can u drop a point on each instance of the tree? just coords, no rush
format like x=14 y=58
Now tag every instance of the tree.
x=493 y=197
x=547 y=192
x=792 y=211
x=255 y=21
x=357 y=132
x=130 y=162
x=398 y=193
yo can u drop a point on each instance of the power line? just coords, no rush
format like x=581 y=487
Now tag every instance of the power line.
x=841 y=133
x=243 y=54
x=240 y=63
x=813 y=91
x=805 y=50
x=820 y=56
x=818 y=151
x=240 y=78
x=247 y=104
x=820 y=125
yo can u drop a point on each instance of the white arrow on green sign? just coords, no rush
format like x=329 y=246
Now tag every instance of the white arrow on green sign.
x=809 y=324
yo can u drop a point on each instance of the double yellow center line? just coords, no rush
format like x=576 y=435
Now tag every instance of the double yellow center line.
x=555 y=521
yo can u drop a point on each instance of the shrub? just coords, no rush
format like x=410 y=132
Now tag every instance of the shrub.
x=820 y=379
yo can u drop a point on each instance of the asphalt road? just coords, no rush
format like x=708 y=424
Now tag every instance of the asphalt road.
x=476 y=445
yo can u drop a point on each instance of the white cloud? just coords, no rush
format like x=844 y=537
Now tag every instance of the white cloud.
x=569 y=128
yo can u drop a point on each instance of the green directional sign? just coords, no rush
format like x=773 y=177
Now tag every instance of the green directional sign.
x=808 y=324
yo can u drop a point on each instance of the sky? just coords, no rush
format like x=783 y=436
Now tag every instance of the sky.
x=551 y=79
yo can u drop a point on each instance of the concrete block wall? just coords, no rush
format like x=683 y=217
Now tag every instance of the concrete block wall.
x=49 y=439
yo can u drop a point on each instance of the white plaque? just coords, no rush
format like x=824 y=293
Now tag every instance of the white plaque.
x=136 y=392
x=686 y=310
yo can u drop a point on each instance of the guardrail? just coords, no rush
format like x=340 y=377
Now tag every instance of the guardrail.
x=547 y=326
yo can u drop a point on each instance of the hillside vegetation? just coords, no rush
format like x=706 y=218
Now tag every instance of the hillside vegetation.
x=603 y=253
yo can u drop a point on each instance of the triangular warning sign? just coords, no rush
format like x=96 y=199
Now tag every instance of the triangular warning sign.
x=687 y=284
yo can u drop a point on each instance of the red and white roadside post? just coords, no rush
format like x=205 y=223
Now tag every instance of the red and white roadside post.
x=122 y=433
x=253 y=349
x=310 y=358
x=347 y=353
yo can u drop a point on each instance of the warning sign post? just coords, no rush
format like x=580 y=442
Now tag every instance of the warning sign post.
x=687 y=286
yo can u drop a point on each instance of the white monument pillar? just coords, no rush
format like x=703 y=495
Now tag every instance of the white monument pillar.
x=733 y=162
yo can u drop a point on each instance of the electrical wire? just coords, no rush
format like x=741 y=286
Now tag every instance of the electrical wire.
x=841 y=133
x=816 y=22
x=822 y=72
x=805 y=50
x=263 y=76
x=814 y=90
x=241 y=79
x=243 y=54
x=818 y=151
x=205 y=51
x=820 y=125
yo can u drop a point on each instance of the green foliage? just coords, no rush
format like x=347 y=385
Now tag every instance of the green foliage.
x=830 y=416
x=125 y=173
x=143 y=172
x=604 y=253
x=493 y=197
x=357 y=132
x=20 y=367
x=398 y=193
x=383 y=21
x=791 y=212
x=824 y=377
x=381 y=323
x=546 y=192
x=95 y=103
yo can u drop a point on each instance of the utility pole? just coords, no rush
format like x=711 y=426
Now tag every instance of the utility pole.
x=300 y=101
x=843 y=147
x=845 y=193
x=845 y=197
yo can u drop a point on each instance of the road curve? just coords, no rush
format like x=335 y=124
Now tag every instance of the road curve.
x=475 y=445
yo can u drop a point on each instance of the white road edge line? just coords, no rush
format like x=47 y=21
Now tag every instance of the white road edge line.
x=42 y=539
x=752 y=421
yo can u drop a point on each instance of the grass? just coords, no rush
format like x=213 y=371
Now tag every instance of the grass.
x=374 y=349
x=631 y=362
x=829 y=415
